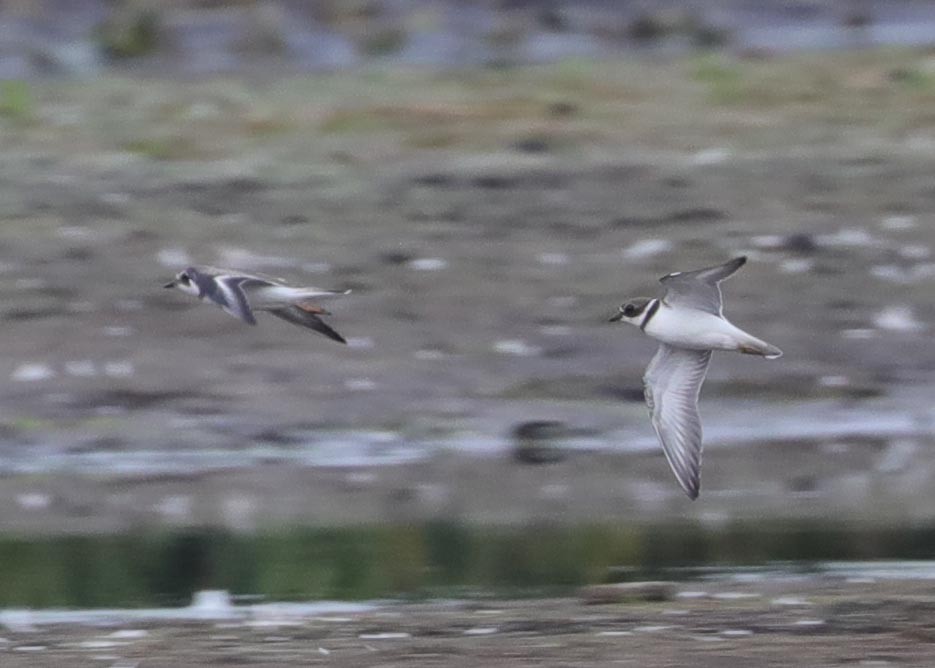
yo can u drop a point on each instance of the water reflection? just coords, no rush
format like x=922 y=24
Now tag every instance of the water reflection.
x=430 y=559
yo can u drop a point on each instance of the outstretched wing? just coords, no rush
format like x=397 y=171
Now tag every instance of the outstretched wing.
x=671 y=385
x=227 y=291
x=699 y=289
x=303 y=318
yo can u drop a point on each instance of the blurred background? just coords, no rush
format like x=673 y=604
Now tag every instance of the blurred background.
x=490 y=179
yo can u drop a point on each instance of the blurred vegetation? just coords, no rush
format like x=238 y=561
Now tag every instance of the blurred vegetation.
x=16 y=102
x=132 y=30
x=415 y=560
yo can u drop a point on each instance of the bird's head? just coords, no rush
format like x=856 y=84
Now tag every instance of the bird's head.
x=631 y=311
x=184 y=281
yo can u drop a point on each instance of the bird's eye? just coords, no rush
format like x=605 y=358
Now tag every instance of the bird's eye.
x=183 y=279
x=629 y=310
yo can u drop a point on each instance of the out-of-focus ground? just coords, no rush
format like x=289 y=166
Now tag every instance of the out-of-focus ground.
x=488 y=222
x=780 y=622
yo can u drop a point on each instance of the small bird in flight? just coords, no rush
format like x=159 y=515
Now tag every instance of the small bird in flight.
x=240 y=294
x=689 y=324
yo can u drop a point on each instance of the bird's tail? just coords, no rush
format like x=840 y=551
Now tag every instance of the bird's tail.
x=755 y=346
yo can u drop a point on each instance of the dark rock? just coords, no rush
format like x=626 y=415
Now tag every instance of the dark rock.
x=395 y=257
x=551 y=18
x=801 y=242
x=536 y=442
x=532 y=145
x=493 y=182
x=700 y=214
x=676 y=182
x=437 y=180
x=132 y=30
x=562 y=109
x=78 y=254
x=647 y=27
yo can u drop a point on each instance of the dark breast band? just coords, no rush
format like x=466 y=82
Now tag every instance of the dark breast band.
x=650 y=312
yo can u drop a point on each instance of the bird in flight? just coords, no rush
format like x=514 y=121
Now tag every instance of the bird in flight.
x=240 y=294
x=689 y=323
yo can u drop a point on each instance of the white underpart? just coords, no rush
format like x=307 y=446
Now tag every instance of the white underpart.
x=276 y=296
x=188 y=288
x=698 y=330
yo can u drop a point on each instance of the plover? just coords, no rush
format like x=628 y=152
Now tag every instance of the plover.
x=240 y=294
x=689 y=324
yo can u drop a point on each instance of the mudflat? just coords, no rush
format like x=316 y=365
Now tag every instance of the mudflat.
x=801 y=621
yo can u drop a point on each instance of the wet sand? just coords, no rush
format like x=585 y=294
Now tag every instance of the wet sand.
x=792 y=621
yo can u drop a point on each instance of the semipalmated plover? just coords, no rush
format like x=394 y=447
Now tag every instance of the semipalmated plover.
x=240 y=294
x=689 y=323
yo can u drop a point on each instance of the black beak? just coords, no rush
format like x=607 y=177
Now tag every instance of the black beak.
x=616 y=316
x=170 y=284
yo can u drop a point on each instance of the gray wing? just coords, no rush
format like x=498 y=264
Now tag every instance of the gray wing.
x=227 y=291
x=297 y=316
x=671 y=385
x=699 y=289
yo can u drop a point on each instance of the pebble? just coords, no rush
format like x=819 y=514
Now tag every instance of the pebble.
x=735 y=595
x=692 y=594
x=710 y=156
x=428 y=264
x=129 y=634
x=898 y=318
x=211 y=603
x=176 y=258
x=851 y=237
x=652 y=628
x=859 y=334
x=556 y=259
x=646 y=248
x=915 y=252
x=33 y=501
x=30 y=283
x=119 y=331
x=796 y=266
x=898 y=222
x=810 y=622
x=359 y=384
x=80 y=368
x=428 y=354
x=516 y=347
x=789 y=600
x=118 y=369
x=32 y=372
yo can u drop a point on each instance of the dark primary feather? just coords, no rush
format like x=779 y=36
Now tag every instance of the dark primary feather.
x=297 y=316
